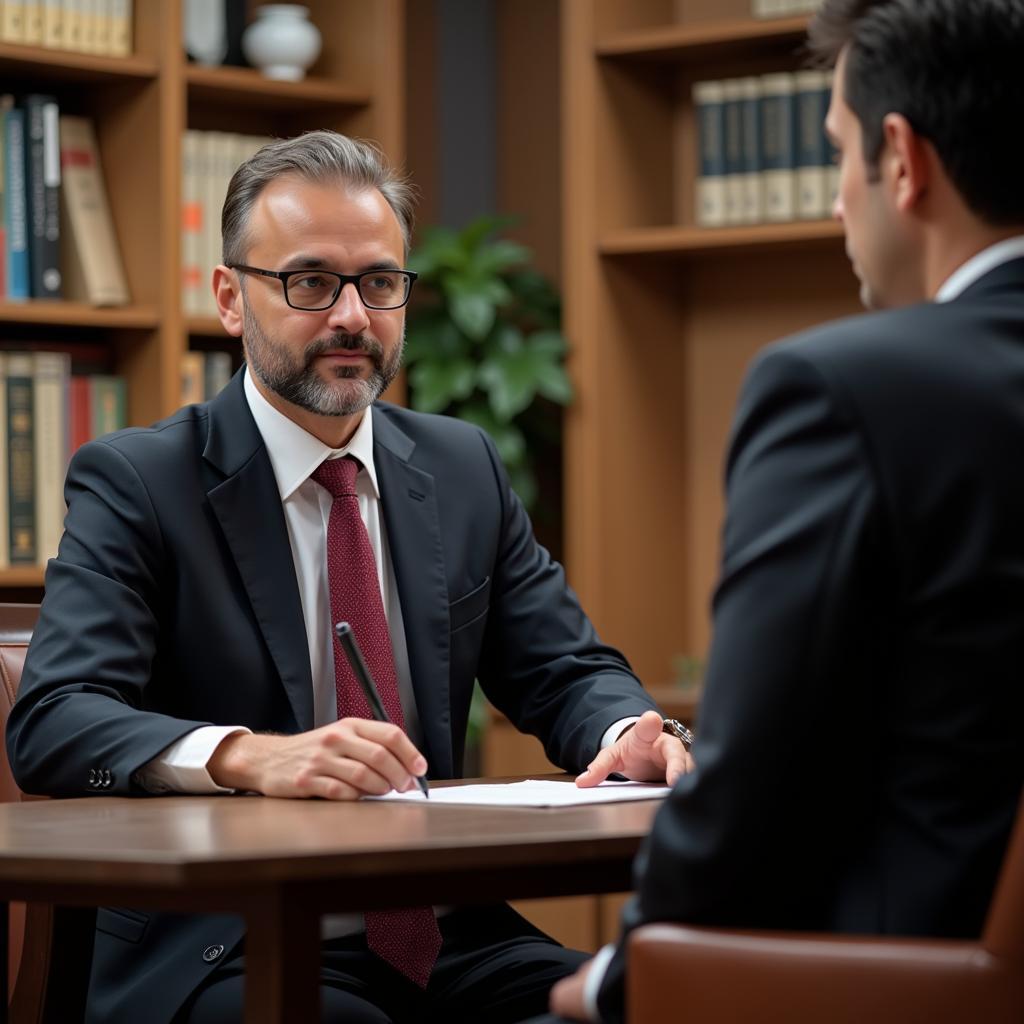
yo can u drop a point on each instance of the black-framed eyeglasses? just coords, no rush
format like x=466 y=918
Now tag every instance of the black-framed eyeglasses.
x=315 y=290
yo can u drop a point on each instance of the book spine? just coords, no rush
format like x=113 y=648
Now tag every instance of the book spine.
x=192 y=377
x=72 y=24
x=216 y=373
x=108 y=401
x=15 y=214
x=51 y=372
x=5 y=547
x=53 y=24
x=778 y=139
x=101 y=28
x=733 y=117
x=43 y=174
x=812 y=151
x=21 y=496
x=6 y=104
x=92 y=261
x=12 y=21
x=750 y=90
x=709 y=103
x=80 y=412
x=192 y=226
x=120 y=15
x=32 y=22
x=831 y=154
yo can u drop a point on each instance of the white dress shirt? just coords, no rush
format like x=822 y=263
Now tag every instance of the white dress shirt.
x=979 y=265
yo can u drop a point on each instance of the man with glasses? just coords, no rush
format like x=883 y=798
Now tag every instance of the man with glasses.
x=185 y=643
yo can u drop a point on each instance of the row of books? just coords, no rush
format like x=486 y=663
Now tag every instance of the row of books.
x=87 y=26
x=764 y=154
x=46 y=413
x=208 y=161
x=782 y=8
x=57 y=237
x=204 y=374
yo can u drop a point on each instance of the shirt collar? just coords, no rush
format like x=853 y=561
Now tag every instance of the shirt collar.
x=295 y=453
x=979 y=265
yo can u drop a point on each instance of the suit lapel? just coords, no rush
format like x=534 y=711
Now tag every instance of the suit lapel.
x=417 y=557
x=247 y=505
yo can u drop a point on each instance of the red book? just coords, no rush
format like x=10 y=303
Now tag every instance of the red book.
x=80 y=413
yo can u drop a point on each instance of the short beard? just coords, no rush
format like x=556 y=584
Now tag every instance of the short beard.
x=302 y=385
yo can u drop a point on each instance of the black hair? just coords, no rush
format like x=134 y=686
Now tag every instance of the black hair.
x=955 y=70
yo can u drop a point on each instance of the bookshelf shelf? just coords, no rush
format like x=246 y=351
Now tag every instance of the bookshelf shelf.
x=690 y=241
x=206 y=327
x=68 y=66
x=23 y=576
x=79 y=314
x=140 y=108
x=245 y=85
x=715 y=39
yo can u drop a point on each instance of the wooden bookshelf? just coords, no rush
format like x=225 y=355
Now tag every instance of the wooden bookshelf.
x=141 y=106
x=682 y=240
x=662 y=316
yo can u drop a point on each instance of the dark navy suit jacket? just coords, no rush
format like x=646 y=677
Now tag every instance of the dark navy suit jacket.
x=173 y=603
x=859 y=753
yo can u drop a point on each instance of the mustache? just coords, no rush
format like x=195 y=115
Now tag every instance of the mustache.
x=343 y=342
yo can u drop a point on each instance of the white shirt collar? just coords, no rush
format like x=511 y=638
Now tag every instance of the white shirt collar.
x=979 y=265
x=295 y=453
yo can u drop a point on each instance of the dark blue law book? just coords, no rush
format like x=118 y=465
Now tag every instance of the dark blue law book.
x=15 y=211
x=778 y=141
x=709 y=109
x=21 y=463
x=812 y=147
x=42 y=173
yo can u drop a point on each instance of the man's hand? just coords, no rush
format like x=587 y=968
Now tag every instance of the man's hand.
x=643 y=753
x=341 y=761
x=567 y=995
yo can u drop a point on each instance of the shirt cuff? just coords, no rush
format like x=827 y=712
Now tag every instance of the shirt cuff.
x=592 y=985
x=616 y=729
x=181 y=767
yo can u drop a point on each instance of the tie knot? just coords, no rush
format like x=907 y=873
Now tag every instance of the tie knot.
x=338 y=475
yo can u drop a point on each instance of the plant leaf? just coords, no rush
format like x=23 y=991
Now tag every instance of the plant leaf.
x=436 y=385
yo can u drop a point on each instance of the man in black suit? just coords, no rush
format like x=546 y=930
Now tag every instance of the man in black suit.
x=859 y=760
x=185 y=640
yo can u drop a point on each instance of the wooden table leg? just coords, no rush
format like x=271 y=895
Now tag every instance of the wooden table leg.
x=282 y=961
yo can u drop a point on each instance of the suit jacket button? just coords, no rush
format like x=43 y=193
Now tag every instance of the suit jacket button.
x=92 y=777
x=212 y=953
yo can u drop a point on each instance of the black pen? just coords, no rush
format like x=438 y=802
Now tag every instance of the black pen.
x=347 y=639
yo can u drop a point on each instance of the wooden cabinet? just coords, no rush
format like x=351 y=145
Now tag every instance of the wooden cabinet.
x=141 y=105
x=663 y=316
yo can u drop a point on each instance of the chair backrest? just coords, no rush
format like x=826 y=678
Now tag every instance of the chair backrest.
x=16 y=624
x=1004 y=927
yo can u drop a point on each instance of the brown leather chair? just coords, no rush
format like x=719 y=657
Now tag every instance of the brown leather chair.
x=32 y=953
x=709 y=975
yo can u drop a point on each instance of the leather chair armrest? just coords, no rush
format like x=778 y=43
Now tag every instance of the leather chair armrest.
x=706 y=975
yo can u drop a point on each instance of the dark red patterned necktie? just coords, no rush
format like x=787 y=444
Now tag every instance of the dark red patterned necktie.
x=407 y=939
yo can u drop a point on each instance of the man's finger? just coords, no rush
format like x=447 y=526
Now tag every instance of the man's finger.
x=607 y=761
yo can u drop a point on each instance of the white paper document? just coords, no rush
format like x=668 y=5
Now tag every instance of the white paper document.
x=533 y=793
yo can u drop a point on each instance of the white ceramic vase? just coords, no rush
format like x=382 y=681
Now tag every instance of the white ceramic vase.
x=282 y=42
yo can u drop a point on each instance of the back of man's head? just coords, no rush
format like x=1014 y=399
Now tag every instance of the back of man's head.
x=955 y=70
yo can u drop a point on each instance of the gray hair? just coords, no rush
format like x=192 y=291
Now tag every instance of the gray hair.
x=315 y=156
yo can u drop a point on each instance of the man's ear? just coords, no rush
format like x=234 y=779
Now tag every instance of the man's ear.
x=906 y=167
x=227 y=290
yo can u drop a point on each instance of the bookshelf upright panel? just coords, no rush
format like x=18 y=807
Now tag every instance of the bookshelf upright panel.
x=663 y=316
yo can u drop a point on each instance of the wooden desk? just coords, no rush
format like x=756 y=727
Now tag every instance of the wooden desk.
x=283 y=863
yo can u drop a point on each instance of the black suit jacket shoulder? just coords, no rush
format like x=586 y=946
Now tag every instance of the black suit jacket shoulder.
x=859 y=763
x=173 y=603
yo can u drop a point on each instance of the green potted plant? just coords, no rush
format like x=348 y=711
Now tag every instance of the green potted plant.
x=484 y=339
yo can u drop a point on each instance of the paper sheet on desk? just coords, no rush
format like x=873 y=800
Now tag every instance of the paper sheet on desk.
x=533 y=793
